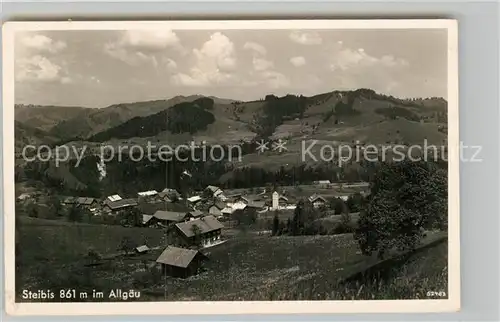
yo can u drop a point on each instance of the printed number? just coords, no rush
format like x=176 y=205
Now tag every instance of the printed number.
x=436 y=294
x=67 y=294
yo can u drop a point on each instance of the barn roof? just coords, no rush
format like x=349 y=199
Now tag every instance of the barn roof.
x=121 y=203
x=196 y=213
x=114 y=198
x=147 y=193
x=205 y=224
x=214 y=189
x=194 y=198
x=315 y=197
x=85 y=201
x=256 y=204
x=175 y=256
x=169 y=215
x=142 y=248
x=146 y=218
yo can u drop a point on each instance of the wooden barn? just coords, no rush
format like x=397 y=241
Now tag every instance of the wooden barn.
x=180 y=262
x=202 y=232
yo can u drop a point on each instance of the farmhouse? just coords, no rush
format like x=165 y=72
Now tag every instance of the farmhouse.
x=203 y=231
x=141 y=249
x=170 y=194
x=194 y=214
x=212 y=191
x=166 y=218
x=149 y=193
x=119 y=204
x=194 y=199
x=24 y=196
x=317 y=200
x=146 y=220
x=259 y=206
x=180 y=262
x=114 y=198
x=323 y=183
x=80 y=201
x=216 y=208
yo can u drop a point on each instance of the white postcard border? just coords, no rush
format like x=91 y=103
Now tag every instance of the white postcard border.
x=246 y=307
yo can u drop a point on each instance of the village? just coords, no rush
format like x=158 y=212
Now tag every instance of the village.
x=204 y=219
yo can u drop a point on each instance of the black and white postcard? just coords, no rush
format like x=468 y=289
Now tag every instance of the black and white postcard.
x=230 y=167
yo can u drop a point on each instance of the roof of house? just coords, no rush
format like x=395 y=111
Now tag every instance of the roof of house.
x=323 y=181
x=228 y=210
x=114 y=198
x=85 y=201
x=175 y=256
x=121 y=203
x=205 y=224
x=315 y=197
x=69 y=200
x=219 y=204
x=146 y=218
x=148 y=193
x=169 y=215
x=238 y=205
x=196 y=213
x=164 y=194
x=194 y=198
x=214 y=189
x=142 y=248
x=256 y=204
x=170 y=190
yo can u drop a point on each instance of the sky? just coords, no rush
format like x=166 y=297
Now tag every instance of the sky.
x=100 y=68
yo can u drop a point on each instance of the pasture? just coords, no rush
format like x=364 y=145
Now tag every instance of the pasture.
x=245 y=267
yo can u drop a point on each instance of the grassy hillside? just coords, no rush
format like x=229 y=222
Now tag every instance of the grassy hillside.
x=99 y=120
x=303 y=268
x=28 y=135
x=278 y=117
x=46 y=117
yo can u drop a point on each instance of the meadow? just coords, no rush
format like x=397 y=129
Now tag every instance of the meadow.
x=245 y=267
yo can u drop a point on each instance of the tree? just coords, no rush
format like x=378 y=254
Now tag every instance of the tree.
x=276 y=224
x=75 y=213
x=338 y=205
x=355 y=202
x=126 y=245
x=31 y=210
x=55 y=207
x=407 y=198
x=131 y=217
x=93 y=256
x=196 y=230
x=303 y=219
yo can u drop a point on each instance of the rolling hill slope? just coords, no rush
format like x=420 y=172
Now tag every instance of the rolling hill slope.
x=46 y=117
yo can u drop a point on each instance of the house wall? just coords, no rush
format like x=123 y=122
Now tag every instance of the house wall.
x=178 y=239
x=174 y=271
x=318 y=204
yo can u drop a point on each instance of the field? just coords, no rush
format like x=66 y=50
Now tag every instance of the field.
x=245 y=267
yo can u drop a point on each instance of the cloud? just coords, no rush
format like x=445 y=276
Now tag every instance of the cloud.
x=149 y=40
x=41 y=43
x=39 y=68
x=347 y=58
x=213 y=64
x=135 y=47
x=298 y=61
x=306 y=38
x=275 y=79
x=170 y=63
x=355 y=68
x=260 y=64
x=255 y=47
